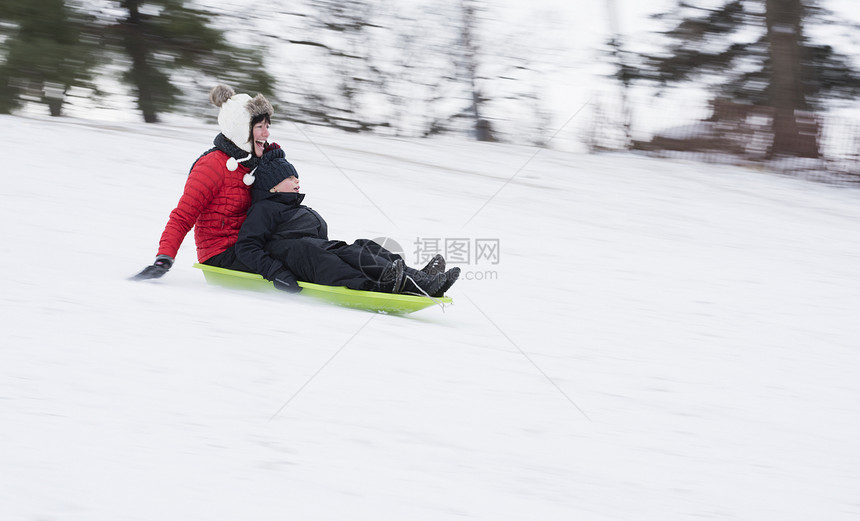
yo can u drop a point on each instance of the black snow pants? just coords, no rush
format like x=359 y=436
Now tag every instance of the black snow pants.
x=334 y=263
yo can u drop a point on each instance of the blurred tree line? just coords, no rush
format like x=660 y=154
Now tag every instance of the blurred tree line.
x=358 y=65
x=394 y=67
x=51 y=47
x=750 y=52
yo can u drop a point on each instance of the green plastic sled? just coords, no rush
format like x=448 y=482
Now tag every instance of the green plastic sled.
x=339 y=295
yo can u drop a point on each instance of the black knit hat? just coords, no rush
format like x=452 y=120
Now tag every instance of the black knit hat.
x=272 y=169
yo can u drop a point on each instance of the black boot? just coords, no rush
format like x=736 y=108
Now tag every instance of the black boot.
x=436 y=265
x=417 y=282
x=392 y=278
x=451 y=277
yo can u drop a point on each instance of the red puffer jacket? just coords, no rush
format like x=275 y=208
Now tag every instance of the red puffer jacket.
x=214 y=202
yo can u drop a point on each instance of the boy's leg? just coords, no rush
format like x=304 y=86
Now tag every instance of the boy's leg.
x=365 y=255
x=311 y=261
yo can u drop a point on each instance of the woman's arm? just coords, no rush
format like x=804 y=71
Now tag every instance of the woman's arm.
x=200 y=188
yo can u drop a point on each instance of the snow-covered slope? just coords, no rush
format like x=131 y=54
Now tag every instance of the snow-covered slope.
x=658 y=340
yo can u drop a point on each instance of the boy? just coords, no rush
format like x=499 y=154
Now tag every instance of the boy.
x=285 y=241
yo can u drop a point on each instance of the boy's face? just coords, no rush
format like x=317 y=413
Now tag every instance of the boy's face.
x=290 y=184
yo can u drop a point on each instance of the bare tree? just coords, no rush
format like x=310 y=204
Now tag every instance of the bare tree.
x=401 y=68
x=469 y=63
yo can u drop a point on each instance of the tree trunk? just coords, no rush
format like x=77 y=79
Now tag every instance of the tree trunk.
x=53 y=95
x=621 y=74
x=135 y=45
x=483 y=128
x=784 y=33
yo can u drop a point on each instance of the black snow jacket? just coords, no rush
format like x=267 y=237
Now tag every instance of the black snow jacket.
x=273 y=217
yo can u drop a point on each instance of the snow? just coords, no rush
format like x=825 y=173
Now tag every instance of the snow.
x=659 y=340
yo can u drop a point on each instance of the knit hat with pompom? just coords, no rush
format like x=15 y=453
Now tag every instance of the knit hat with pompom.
x=235 y=117
x=272 y=169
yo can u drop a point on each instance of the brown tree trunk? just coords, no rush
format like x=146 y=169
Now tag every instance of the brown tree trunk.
x=135 y=45
x=483 y=127
x=784 y=31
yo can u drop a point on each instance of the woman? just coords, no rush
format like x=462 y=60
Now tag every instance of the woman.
x=217 y=193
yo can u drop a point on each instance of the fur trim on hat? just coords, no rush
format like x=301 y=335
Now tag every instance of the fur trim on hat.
x=259 y=105
x=219 y=94
x=237 y=111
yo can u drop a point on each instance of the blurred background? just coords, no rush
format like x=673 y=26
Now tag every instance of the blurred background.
x=767 y=83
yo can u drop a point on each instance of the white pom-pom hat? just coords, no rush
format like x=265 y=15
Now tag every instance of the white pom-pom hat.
x=234 y=119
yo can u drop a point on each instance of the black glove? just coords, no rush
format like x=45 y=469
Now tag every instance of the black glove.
x=161 y=265
x=286 y=281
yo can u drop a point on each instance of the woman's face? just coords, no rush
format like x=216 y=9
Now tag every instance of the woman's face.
x=260 y=133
